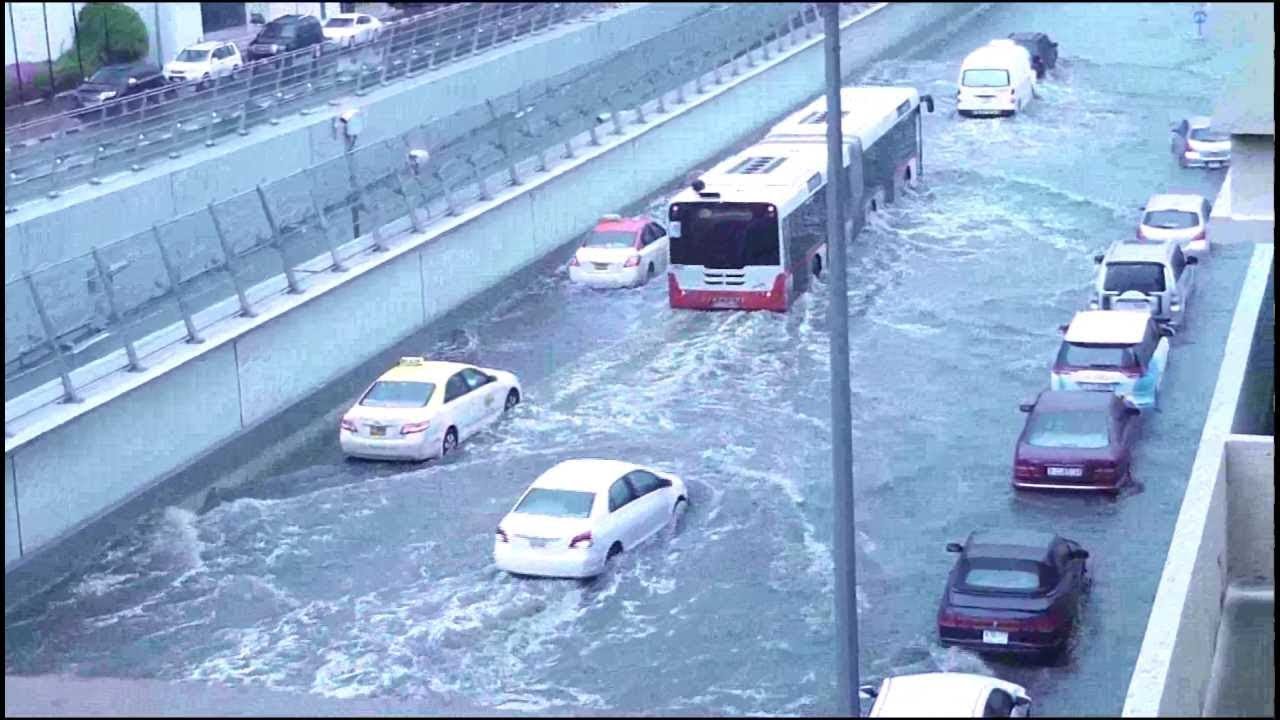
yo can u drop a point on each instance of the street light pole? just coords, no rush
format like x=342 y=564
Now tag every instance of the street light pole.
x=838 y=192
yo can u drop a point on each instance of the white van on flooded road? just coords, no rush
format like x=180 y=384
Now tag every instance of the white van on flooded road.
x=995 y=79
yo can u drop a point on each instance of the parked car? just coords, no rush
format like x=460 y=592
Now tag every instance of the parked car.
x=1177 y=218
x=1013 y=592
x=1076 y=441
x=1197 y=144
x=1044 y=52
x=285 y=34
x=347 y=29
x=580 y=514
x=621 y=252
x=1114 y=352
x=112 y=82
x=203 y=61
x=421 y=409
x=1153 y=278
x=995 y=79
x=948 y=694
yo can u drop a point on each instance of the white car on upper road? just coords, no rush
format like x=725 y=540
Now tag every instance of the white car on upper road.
x=347 y=29
x=422 y=409
x=1178 y=218
x=580 y=514
x=621 y=252
x=946 y=694
x=203 y=61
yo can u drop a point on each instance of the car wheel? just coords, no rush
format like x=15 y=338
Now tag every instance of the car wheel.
x=450 y=442
x=513 y=399
x=678 y=510
x=649 y=275
x=817 y=266
x=614 y=551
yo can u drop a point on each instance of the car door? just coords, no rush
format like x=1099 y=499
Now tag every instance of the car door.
x=364 y=29
x=1179 y=142
x=483 y=394
x=620 y=523
x=653 y=507
x=1184 y=276
x=457 y=406
x=660 y=247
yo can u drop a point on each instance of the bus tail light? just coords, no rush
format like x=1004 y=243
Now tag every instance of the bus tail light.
x=633 y=261
x=581 y=541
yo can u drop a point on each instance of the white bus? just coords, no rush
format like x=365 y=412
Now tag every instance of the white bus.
x=750 y=233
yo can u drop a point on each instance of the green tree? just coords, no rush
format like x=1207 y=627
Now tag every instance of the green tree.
x=107 y=33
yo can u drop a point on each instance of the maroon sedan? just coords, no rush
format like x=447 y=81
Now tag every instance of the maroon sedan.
x=1076 y=440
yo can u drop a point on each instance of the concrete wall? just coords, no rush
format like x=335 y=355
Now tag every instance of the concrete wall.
x=1175 y=663
x=250 y=368
x=47 y=230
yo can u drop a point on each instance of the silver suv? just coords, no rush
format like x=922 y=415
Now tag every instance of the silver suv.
x=1152 y=278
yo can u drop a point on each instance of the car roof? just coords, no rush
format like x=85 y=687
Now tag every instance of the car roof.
x=208 y=45
x=432 y=371
x=1015 y=544
x=936 y=694
x=1139 y=252
x=584 y=474
x=1171 y=201
x=351 y=15
x=1108 y=327
x=1200 y=121
x=626 y=224
x=1050 y=400
x=1028 y=36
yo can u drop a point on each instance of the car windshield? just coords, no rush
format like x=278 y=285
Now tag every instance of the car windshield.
x=1147 y=277
x=276 y=32
x=610 y=239
x=557 y=503
x=1095 y=356
x=1209 y=135
x=1171 y=219
x=340 y=22
x=398 y=394
x=1002 y=575
x=190 y=55
x=111 y=76
x=985 y=78
x=725 y=235
x=1076 y=429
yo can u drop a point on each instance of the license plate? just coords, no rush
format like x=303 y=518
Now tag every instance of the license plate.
x=995 y=637
x=726 y=302
x=1066 y=472
x=600 y=266
x=377 y=431
x=1102 y=387
x=1214 y=164
x=538 y=542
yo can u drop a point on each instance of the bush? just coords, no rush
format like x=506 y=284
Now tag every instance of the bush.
x=108 y=33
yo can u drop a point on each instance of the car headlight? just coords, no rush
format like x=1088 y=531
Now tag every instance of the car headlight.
x=106 y=94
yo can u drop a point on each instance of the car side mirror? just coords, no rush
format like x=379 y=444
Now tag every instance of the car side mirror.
x=928 y=102
x=1098 y=258
x=1079 y=554
x=1063 y=328
x=1193 y=260
x=868 y=691
x=491 y=378
x=1027 y=407
x=1131 y=410
x=955 y=547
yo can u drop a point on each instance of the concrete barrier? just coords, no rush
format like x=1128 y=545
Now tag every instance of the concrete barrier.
x=54 y=229
x=144 y=426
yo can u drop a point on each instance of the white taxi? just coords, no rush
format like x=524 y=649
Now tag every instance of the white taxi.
x=580 y=514
x=422 y=409
x=947 y=694
x=621 y=252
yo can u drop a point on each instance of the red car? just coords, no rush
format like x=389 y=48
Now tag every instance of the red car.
x=1076 y=440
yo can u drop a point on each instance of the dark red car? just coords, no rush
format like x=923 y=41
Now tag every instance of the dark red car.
x=1076 y=440
x=1013 y=592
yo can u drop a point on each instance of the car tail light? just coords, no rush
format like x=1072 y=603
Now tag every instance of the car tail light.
x=500 y=535
x=348 y=425
x=632 y=261
x=1200 y=237
x=581 y=541
x=1025 y=470
x=1139 y=234
x=573 y=261
x=411 y=428
x=951 y=618
x=1104 y=473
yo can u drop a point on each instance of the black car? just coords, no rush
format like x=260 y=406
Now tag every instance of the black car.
x=112 y=82
x=285 y=34
x=1013 y=592
x=1044 y=52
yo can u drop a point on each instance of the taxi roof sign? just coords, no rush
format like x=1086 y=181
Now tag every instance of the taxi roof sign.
x=412 y=360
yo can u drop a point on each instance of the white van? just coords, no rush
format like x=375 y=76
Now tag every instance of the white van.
x=995 y=79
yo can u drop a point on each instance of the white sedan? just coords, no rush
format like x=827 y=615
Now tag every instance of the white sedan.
x=945 y=694
x=351 y=28
x=421 y=409
x=580 y=514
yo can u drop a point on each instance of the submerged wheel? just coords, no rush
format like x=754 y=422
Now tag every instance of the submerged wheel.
x=649 y=276
x=513 y=399
x=817 y=266
x=450 y=442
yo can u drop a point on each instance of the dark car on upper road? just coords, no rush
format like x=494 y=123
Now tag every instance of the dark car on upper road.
x=285 y=34
x=112 y=82
x=1013 y=592
x=1044 y=52
x=1076 y=441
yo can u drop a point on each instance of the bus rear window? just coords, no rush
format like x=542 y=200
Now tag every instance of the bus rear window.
x=726 y=235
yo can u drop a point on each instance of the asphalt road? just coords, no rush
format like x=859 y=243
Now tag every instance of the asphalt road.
x=353 y=579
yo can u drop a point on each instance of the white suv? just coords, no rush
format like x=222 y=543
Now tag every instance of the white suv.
x=203 y=61
x=1152 y=278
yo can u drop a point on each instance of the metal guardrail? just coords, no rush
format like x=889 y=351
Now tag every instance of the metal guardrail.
x=200 y=268
x=48 y=155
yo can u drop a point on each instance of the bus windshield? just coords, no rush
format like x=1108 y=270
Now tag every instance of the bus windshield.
x=725 y=235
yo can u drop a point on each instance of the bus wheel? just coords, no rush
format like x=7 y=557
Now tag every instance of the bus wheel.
x=817 y=265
